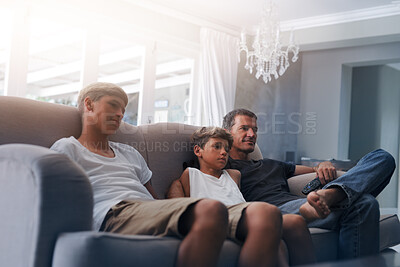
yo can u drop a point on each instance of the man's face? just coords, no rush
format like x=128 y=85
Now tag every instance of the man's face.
x=108 y=112
x=244 y=133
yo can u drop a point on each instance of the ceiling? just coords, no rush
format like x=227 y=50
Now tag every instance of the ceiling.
x=237 y=14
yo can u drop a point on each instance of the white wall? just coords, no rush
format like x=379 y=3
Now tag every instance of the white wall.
x=321 y=90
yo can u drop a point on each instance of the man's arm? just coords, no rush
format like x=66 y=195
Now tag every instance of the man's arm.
x=150 y=188
x=325 y=171
x=180 y=187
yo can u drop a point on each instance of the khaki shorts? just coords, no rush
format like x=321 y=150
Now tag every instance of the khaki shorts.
x=159 y=217
x=147 y=217
x=235 y=214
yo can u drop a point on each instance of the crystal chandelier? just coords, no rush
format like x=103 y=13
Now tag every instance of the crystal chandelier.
x=268 y=56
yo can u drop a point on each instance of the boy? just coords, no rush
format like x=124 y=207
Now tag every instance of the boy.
x=248 y=222
x=123 y=196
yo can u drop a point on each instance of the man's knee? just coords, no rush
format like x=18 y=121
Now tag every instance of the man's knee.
x=386 y=159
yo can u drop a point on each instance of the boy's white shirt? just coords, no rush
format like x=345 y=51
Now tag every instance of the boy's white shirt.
x=128 y=169
x=223 y=189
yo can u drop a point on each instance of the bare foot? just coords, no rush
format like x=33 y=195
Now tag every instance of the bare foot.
x=316 y=206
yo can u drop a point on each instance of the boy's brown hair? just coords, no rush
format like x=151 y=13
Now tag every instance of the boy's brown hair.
x=202 y=135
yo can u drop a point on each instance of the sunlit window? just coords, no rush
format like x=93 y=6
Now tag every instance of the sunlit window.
x=120 y=62
x=55 y=61
x=173 y=81
x=61 y=54
x=5 y=34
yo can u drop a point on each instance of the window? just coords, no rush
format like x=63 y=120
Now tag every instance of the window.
x=173 y=81
x=5 y=30
x=55 y=62
x=120 y=62
x=60 y=55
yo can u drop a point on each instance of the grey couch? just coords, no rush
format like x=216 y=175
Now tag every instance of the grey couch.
x=46 y=199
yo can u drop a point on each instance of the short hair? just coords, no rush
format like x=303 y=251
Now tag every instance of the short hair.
x=229 y=119
x=99 y=89
x=202 y=135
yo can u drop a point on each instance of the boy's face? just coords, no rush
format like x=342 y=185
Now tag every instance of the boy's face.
x=214 y=154
x=106 y=113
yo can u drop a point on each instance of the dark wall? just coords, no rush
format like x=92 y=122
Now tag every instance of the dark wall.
x=276 y=105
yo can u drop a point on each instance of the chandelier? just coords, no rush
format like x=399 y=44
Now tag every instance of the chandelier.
x=269 y=57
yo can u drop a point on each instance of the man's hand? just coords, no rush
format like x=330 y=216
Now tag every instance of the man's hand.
x=326 y=172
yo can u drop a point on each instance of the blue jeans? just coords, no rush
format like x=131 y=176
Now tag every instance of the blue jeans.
x=356 y=218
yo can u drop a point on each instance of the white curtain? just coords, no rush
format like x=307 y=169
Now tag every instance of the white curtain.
x=216 y=83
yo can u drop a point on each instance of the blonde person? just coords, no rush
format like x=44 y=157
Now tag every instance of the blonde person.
x=258 y=225
x=123 y=196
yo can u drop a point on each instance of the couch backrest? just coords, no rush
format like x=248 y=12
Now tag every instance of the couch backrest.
x=164 y=146
x=34 y=122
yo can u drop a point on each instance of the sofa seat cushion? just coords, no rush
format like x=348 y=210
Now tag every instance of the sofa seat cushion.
x=389 y=228
x=325 y=244
x=100 y=249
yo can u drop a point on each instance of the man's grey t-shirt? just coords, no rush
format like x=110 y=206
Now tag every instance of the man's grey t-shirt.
x=264 y=180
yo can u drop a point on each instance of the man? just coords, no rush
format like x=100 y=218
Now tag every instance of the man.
x=123 y=196
x=346 y=204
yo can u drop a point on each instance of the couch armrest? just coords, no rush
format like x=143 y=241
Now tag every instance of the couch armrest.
x=296 y=183
x=42 y=194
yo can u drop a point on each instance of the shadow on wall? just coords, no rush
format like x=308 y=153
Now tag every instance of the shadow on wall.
x=276 y=105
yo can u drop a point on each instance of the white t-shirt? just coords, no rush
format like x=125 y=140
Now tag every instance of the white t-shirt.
x=223 y=189
x=113 y=179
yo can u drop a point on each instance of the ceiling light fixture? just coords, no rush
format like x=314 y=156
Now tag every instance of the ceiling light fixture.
x=268 y=57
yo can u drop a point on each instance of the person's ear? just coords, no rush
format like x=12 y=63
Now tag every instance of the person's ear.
x=197 y=151
x=88 y=103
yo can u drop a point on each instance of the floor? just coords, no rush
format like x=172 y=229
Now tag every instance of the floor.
x=388 y=259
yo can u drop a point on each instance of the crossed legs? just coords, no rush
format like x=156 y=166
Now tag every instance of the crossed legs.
x=319 y=202
x=370 y=176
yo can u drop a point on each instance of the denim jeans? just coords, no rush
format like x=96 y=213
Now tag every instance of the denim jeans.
x=356 y=218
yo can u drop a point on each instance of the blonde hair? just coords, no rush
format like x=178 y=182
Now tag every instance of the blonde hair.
x=202 y=135
x=99 y=89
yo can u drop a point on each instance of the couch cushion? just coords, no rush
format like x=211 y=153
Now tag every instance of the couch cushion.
x=325 y=244
x=168 y=147
x=82 y=249
x=389 y=228
x=133 y=136
x=35 y=122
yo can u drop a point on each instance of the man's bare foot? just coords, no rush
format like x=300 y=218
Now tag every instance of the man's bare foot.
x=319 y=203
x=316 y=206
